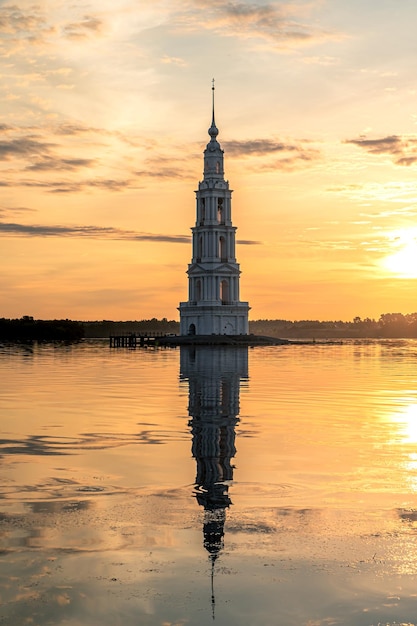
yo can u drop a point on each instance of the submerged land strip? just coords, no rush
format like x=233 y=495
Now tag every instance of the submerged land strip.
x=223 y=340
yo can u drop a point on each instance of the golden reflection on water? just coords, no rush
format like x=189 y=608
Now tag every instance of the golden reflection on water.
x=128 y=475
x=406 y=419
x=404 y=437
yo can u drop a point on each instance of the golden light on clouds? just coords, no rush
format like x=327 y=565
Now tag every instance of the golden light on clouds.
x=105 y=110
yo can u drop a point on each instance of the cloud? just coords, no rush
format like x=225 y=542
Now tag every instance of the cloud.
x=91 y=232
x=108 y=184
x=49 y=149
x=393 y=192
x=95 y=232
x=52 y=163
x=256 y=147
x=16 y=23
x=42 y=27
x=23 y=147
x=320 y=60
x=84 y=28
x=259 y=147
x=160 y=166
x=72 y=129
x=292 y=155
x=4 y=128
x=163 y=172
x=174 y=61
x=403 y=150
x=39 y=153
x=7 y=211
x=283 y=24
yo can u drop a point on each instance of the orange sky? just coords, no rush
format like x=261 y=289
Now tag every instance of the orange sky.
x=105 y=109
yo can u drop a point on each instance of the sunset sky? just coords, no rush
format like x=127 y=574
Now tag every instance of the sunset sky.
x=105 y=108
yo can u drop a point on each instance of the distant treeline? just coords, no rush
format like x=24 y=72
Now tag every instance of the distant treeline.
x=389 y=325
x=27 y=329
x=106 y=328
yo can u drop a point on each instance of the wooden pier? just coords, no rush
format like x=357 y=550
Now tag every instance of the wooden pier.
x=135 y=340
x=170 y=340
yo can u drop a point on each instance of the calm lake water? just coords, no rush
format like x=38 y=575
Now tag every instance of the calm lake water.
x=269 y=486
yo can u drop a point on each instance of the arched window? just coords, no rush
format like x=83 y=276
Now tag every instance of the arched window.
x=220 y=217
x=200 y=248
x=224 y=291
x=203 y=209
x=198 y=290
x=217 y=167
x=191 y=329
x=222 y=249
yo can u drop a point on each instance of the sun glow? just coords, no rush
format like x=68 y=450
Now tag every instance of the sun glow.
x=403 y=262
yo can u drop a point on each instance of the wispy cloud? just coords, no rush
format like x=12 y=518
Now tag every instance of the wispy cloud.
x=167 y=60
x=74 y=186
x=31 y=25
x=403 y=150
x=48 y=151
x=167 y=167
x=34 y=24
x=291 y=155
x=6 y=211
x=286 y=24
x=257 y=147
x=23 y=147
x=39 y=154
x=94 y=232
x=82 y=29
x=71 y=128
x=91 y=232
x=389 y=192
x=163 y=173
x=54 y=164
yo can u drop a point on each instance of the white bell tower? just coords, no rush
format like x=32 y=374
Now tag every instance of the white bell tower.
x=213 y=305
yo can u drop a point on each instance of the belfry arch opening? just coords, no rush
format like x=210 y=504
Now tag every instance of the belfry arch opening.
x=198 y=290
x=224 y=291
x=220 y=215
x=222 y=249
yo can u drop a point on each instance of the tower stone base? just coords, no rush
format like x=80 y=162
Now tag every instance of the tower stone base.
x=219 y=319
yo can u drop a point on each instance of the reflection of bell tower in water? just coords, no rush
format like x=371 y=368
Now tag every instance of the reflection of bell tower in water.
x=214 y=375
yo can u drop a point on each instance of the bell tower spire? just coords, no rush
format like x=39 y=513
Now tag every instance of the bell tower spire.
x=213 y=306
x=213 y=154
x=213 y=130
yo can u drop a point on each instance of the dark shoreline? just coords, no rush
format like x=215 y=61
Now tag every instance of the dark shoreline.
x=261 y=332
